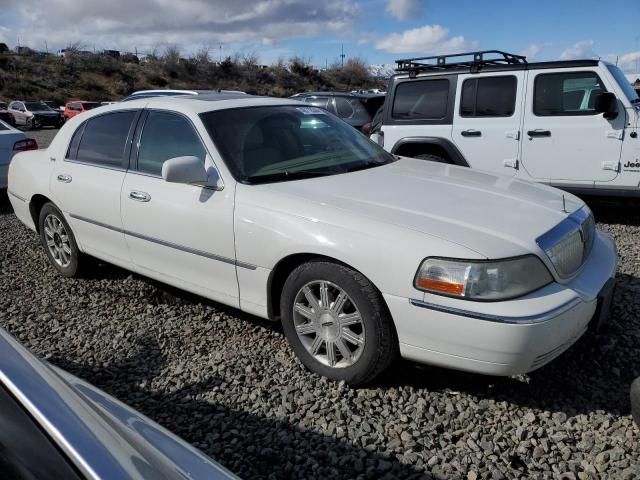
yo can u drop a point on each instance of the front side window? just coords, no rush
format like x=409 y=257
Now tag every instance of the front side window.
x=421 y=99
x=104 y=138
x=37 y=107
x=166 y=135
x=571 y=93
x=281 y=143
x=488 y=97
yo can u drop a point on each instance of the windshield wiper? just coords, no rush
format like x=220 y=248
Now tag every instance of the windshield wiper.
x=287 y=175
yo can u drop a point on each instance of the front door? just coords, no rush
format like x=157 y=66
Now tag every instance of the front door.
x=564 y=140
x=177 y=233
x=87 y=179
x=487 y=118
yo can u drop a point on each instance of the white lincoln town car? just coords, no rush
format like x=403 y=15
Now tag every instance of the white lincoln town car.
x=284 y=211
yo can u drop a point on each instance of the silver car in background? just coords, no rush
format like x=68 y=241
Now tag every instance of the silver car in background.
x=56 y=426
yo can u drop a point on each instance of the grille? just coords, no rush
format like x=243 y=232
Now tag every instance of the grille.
x=569 y=243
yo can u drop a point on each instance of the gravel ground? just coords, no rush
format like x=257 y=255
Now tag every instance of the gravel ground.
x=228 y=383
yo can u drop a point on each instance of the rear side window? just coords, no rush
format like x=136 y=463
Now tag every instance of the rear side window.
x=104 y=139
x=421 y=99
x=488 y=97
x=166 y=135
x=561 y=94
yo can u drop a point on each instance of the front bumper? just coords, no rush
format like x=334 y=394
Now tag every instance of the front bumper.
x=504 y=338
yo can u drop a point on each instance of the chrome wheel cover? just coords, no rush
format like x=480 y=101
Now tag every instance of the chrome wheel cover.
x=328 y=324
x=57 y=240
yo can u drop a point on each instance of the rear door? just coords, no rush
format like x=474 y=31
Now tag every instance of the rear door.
x=177 y=233
x=565 y=141
x=87 y=180
x=486 y=122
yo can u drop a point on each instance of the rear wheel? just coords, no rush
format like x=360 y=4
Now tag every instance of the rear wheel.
x=58 y=241
x=336 y=322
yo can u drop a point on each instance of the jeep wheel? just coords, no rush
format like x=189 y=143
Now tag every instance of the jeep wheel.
x=336 y=322
x=432 y=158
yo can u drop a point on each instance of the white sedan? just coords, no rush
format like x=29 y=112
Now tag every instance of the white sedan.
x=284 y=211
x=12 y=141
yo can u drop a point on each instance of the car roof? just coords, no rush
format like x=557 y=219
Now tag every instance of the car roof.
x=338 y=94
x=200 y=103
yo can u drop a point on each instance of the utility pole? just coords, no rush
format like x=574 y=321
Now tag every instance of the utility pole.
x=342 y=55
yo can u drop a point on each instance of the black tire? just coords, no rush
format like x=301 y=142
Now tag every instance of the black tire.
x=635 y=400
x=71 y=269
x=34 y=124
x=380 y=347
x=432 y=158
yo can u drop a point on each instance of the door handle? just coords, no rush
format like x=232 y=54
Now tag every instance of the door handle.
x=539 y=133
x=64 y=178
x=139 y=196
x=471 y=133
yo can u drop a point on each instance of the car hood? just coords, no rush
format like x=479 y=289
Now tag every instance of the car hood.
x=44 y=112
x=493 y=215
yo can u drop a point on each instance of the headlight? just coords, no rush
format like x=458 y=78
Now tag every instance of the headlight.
x=482 y=280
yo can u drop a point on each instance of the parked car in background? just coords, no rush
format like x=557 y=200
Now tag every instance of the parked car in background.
x=12 y=141
x=53 y=105
x=357 y=109
x=71 y=109
x=34 y=115
x=56 y=426
x=5 y=115
x=175 y=93
x=282 y=210
x=572 y=124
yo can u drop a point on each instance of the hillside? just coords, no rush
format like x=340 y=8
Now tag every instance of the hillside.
x=98 y=76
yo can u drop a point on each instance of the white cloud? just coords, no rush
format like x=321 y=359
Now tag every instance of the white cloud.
x=430 y=39
x=532 y=51
x=629 y=62
x=580 y=50
x=405 y=9
x=189 y=24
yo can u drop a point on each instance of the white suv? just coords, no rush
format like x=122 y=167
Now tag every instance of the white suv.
x=571 y=124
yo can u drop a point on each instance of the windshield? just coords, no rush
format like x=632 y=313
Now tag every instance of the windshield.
x=270 y=144
x=36 y=107
x=625 y=85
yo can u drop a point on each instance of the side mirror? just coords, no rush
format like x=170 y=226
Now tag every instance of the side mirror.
x=607 y=103
x=184 y=170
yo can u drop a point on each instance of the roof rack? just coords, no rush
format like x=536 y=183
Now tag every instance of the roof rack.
x=443 y=62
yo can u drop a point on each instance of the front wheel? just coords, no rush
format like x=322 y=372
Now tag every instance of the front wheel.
x=58 y=241
x=34 y=124
x=337 y=324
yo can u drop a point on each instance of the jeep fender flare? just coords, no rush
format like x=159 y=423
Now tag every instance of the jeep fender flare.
x=442 y=143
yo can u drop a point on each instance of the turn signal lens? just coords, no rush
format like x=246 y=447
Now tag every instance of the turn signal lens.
x=482 y=280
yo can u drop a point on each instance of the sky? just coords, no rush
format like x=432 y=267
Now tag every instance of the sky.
x=377 y=31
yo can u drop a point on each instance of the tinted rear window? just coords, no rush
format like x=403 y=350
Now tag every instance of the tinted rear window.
x=422 y=99
x=104 y=139
x=488 y=97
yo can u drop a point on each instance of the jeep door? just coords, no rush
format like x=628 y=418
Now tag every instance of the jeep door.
x=487 y=119
x=565 y=141
x=180 y=234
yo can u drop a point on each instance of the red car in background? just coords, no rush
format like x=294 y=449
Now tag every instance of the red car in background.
x=71 y=109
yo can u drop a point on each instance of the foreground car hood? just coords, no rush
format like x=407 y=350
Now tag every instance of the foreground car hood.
x=494 y=215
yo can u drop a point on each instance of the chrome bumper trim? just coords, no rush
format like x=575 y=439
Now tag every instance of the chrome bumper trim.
x=526 y=320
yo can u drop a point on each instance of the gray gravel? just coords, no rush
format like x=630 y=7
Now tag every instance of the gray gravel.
x=228 y=383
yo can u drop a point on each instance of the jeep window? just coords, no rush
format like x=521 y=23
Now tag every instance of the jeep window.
x=624 y=84
x=571 y=93
x=104 y=139
x=488 y=97
x=166 y=135
x=421 y=99
x=283 y=143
